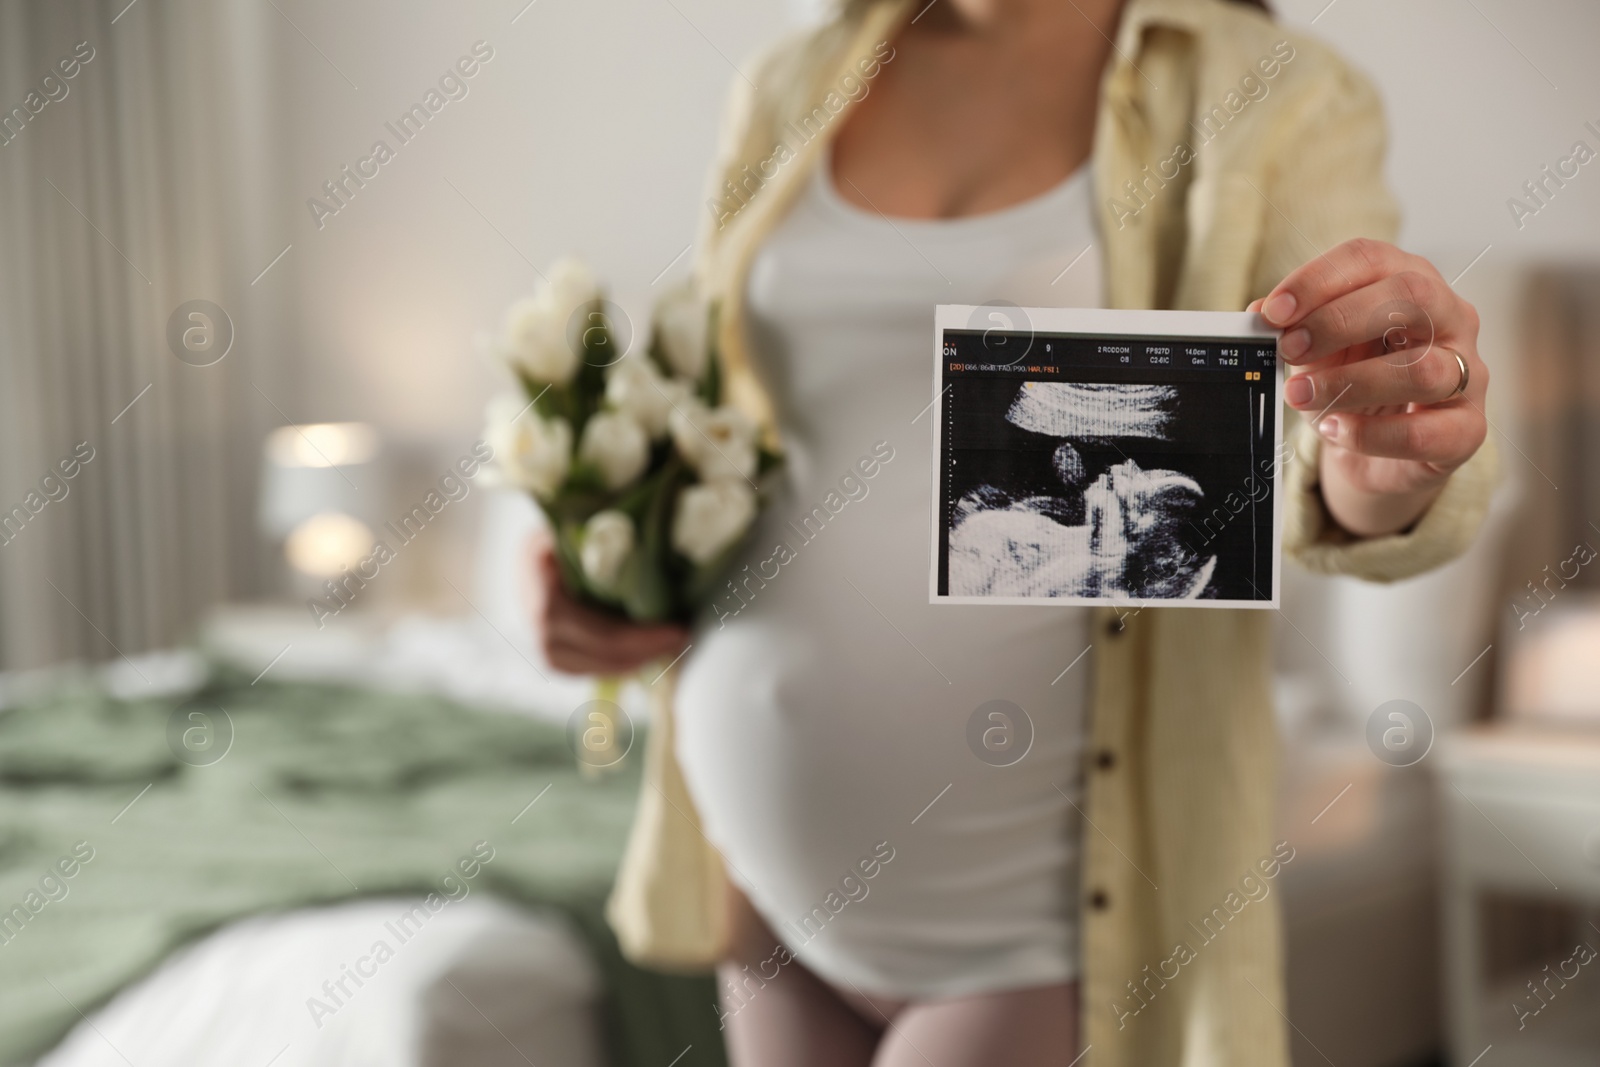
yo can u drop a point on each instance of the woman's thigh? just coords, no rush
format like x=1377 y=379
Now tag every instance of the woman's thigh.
x=779 y=1014
x=1032 y=1027
x=795 y=1019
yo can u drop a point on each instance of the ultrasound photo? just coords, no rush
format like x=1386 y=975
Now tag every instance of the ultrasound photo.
x=1122 y=467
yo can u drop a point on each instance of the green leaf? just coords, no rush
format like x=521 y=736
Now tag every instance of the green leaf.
x=595 y=345
x=550 y=401
x=650 y=594
x=569 y=542
x=711 y=386
x=703 y=580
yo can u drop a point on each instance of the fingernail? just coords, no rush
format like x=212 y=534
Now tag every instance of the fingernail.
x=1279 y=308
x=1329 y=427
x=1295 y=343
x=1299 y=390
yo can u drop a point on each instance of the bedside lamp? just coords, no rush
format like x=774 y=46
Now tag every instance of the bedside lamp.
x=321 y=494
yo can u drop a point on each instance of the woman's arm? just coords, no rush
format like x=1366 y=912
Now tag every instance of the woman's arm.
x=1382 y=349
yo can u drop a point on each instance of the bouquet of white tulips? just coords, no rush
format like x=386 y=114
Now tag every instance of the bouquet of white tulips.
x=649 y=481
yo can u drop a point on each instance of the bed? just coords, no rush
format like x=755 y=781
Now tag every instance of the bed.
x=486 y=984
x=226 y=901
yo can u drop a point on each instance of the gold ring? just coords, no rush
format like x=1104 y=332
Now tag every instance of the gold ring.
x=1461 y=388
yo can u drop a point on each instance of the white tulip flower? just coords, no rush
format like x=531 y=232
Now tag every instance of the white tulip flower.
x=530 y=451
x=635 y=387
x=680 y=322
x=607 y=543
x=535 y=339
x=710 y=517
x=719 y=443
x=571 y=283
x=616 y=444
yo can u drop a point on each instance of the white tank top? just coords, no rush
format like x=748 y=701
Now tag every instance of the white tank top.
x=829 y=714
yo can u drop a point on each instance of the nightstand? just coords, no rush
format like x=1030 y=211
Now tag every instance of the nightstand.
x=1521 y=811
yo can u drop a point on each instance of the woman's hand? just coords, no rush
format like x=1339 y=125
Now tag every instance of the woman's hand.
x=1374 y=334
x=579 y=639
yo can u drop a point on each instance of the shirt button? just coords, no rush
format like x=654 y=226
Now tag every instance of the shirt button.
x=1105 y=759
x=1099 y=901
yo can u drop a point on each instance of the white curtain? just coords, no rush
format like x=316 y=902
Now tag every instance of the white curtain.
x=145 y=180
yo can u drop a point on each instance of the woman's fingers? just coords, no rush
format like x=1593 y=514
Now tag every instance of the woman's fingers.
x=1444 y=437
x=1405 y=312
x=584 y=652
x=1389 y=370
x=1384 y=343
x=576 y=661
x=579 y=639
x=1430 y=376
x=543 y=569
x=583 y=629
x=1345 y=269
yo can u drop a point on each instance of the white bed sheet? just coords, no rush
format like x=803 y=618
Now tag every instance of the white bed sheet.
x=481 y=984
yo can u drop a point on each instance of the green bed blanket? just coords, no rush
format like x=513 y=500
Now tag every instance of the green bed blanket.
x=325 y=793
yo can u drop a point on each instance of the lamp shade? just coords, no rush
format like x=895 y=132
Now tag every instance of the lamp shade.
x=319 y=468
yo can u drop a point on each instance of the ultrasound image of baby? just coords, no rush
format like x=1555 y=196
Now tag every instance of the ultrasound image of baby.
x=1115 y=537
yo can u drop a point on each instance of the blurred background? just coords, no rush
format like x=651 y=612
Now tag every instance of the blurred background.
x=246 y=390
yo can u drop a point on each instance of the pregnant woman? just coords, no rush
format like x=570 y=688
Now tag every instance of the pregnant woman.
x=995 y=835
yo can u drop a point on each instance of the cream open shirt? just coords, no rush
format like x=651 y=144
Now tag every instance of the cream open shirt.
x=1183 y=750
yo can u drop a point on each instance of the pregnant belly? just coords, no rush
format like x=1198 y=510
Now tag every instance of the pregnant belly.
x=834 y=719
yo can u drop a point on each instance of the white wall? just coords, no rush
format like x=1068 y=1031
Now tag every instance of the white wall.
x=1481 y=95
x=587 y=133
